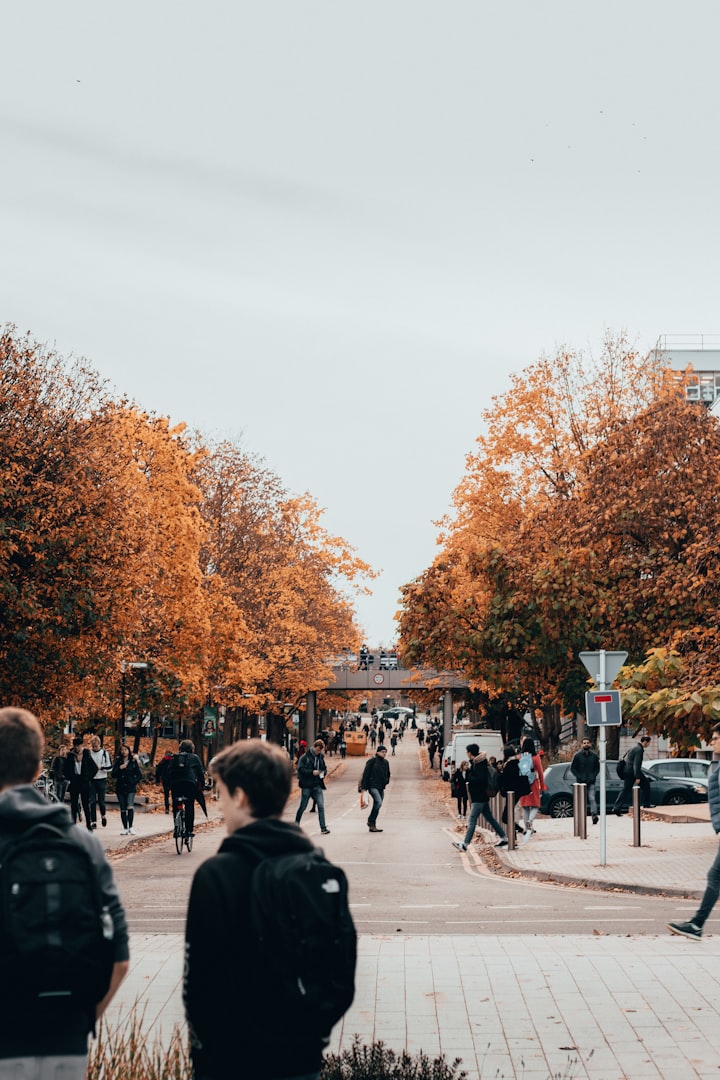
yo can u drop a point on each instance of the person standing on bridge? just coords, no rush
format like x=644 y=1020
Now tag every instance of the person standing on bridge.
x=375 y=778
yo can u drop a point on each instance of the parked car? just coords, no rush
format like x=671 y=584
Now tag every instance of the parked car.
x=455 y=751
x=557 y=801
x=695 y=768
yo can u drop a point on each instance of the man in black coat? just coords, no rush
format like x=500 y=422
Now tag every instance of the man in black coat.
x=634 y=775
x=375 y=778
x=585 y=767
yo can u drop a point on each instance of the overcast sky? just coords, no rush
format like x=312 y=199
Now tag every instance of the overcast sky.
x=332 y=230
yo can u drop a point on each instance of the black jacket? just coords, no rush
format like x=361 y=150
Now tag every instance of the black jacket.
x=633 y=761
x=585 y=766
x=126 y=779
x=376 y=774
x=307 y=765
x=477 y=781
x=235 y=1029
x=510 y=775
x=61 y=1029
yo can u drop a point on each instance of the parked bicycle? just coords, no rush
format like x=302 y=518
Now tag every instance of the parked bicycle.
x=46 y=785
x=182 y=836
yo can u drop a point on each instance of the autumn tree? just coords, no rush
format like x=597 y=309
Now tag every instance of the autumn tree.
x=280 y=586
x=574 y=526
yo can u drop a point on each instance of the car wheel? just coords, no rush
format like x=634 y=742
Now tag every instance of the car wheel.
x=675 y=798
x=561 y=807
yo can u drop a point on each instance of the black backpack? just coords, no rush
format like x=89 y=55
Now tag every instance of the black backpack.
x=178 y=769
x=56 y=938
x=300 y=915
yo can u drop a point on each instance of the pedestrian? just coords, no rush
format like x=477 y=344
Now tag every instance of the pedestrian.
x=343 y=747
x=694 y=928
x=57 y=771
x=127 y=775
x=482 y=785
x=634 y=776
x=458 y=788
x=79 y=769
x=393 y=743
x=186 y=777
x=585 y=767
x=421 y=736
x=235 y=1033
x=70 y=920
x=510 y=781
x=531 y=803
x=161 y=776
x=373 y=736
x=375 y=778
x=311 y=773
x=98 y=781
x=432 y=749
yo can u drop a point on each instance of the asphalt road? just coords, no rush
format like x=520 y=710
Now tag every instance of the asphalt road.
x=407 y=879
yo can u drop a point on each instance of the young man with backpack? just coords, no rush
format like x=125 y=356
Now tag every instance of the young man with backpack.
x=269 y=925
x=185 y=777
x=482 y=784
x=63 y=934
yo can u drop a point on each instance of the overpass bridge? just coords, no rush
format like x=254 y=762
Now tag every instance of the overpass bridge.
x=370 y=675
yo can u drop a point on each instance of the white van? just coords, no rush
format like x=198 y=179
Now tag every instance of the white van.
x=489 y=741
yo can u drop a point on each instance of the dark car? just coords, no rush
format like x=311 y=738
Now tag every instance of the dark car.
x=557 y=801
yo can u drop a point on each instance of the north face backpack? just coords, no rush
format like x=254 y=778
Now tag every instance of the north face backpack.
x=55 y=935
x=526 y=768
x=300 y=915
x=178 y=769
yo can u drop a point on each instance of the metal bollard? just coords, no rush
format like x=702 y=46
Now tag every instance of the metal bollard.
x=637 y=792
x=510 y=828
x=580 y=810
x=495 y=804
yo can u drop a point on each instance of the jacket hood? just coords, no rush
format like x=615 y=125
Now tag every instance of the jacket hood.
x=24 y=806
x=269 y=836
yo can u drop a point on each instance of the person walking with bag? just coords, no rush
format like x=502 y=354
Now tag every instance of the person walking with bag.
x=375 y=778
x=633 y=775
x=531 y=803
x=126 y=774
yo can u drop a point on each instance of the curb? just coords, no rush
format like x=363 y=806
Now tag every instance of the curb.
x=596 y=883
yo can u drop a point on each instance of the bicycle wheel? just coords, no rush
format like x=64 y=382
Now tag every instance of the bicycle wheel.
x=179 y=830
x=189 y=842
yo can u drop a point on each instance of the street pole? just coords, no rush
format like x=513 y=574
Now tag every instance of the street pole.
x=602 y=685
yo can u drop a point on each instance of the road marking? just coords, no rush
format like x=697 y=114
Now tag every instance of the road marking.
x=543 y=922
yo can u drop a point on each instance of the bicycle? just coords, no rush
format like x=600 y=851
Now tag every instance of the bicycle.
x=46 y=785
x=180 y=831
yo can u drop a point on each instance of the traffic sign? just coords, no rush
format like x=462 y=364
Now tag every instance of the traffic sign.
x=613 y=662
x=602 y=708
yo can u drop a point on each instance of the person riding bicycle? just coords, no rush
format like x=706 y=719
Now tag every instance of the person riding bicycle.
x=186 y=777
